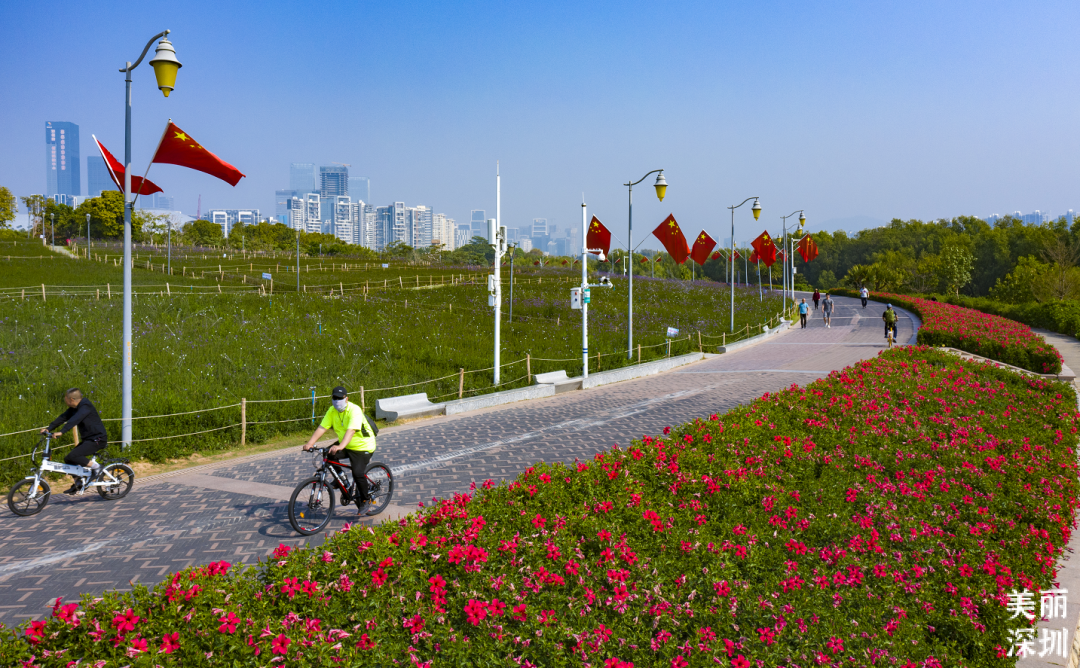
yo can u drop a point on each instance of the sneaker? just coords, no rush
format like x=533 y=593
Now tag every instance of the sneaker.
x=72 y=490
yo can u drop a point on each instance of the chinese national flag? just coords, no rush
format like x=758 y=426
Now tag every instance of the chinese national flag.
x=754 y=259
x=736 y=255
x=765 y=248
x=644 y=260
x=177 y=148
x=807 y=248
x=716 y=255
x=564 y=263
x=598 y=236
x=116 y=171
x=670 y=234
x=703 y=245
x=536 y=262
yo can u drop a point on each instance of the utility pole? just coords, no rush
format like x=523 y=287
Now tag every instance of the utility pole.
x=497 y=239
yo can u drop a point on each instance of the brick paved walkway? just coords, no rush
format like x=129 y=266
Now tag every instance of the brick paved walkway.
x=237 y=512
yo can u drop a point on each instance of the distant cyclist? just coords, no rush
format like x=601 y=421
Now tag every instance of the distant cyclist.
x=356 y=438
x=889 y=316
x=80 y=413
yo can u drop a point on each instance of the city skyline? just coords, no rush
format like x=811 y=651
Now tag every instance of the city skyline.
x=855 y=113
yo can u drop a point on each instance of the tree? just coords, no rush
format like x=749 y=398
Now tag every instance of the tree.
x=7 y=208
x=203 y=233
x=34 y=203
x=1062 y=254
x=152 y=225
x=106 y=214
x=1029 y=281
x=955 y=267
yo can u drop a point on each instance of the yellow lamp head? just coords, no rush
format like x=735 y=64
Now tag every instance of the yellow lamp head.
x=165 y=65
x=661 y=186
x=802 y=220
x=757 y=210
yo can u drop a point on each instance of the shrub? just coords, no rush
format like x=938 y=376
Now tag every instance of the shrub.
x=880 y=516
x=976 y=332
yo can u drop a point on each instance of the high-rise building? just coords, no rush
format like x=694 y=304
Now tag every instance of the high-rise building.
x=97 y=176
x=539 y=233
x=478 y=221
x=360 y=188
x=462 y=235
x=443 y=231
x=297 y=217
x=333 y=180
x=302 y=177
x=526 y=245
x=155 y=201
x=62 y=173
x=226 y=218
x=282 y=204
x=1069 y=217
x=343 y=227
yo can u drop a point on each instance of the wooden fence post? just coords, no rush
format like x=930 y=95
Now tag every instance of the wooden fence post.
x=42 y=292
x=639 y=353
x=243 y=422
x=362 y=398
x=98 y=294
x=341 y=288
x=528 y=368
x=669 y=347
x=168 y=290
x=461 y=383
x=700 y=349
x=401 y=283
x=108 y=290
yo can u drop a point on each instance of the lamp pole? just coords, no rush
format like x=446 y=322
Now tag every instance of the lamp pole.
x=512 y=248
x=584 y=287
x=165 y=66
x=661 y=190
x=497 y=239
x=298 y=261
x=52 y=220
x=783 y=246
x=757 y=214
x=88 y=234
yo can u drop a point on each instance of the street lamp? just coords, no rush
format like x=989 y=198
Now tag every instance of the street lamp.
x=165 y=67
x=757 y=214
x=784 y=243
x=584 y=290
x=661 y=190
x=87 y=234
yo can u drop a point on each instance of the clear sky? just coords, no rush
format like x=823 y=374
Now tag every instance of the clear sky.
x=849 y=110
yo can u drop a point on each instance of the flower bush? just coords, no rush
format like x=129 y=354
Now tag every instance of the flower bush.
x=879 y=516
x=976 y=332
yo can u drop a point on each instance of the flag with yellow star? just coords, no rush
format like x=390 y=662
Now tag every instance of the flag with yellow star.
x=179 y=148
x=765 y=249
x=703 y=245
x=117 y=172
x=598 y=236
x=670 y=234
x=807 y=247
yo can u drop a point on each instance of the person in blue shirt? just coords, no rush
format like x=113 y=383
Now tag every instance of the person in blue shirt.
x=804 y=308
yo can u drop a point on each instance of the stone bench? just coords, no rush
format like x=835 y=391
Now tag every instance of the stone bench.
x=407 y=406
x=559 y=380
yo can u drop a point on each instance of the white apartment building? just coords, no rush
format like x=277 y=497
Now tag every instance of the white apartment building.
x=443 y=231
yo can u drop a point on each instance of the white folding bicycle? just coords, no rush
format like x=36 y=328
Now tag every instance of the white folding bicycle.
x=30 y=495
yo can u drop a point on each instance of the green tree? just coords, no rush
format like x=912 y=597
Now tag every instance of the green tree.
x=955 y=265
x=35 y=207
x=7 y=208
x=106 y=214
x=203 y=233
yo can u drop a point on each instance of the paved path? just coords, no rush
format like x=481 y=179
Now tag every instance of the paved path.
x=237 y=512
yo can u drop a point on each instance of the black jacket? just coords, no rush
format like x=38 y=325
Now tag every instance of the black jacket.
x=86 y=418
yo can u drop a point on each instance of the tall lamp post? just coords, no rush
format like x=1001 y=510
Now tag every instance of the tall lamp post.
x=88 y=235
x=783 y=246
x=757 y=214
x=661 y=190
x=165 y=67
x=52 y=225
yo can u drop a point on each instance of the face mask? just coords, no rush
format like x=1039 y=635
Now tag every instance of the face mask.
x=339 y=404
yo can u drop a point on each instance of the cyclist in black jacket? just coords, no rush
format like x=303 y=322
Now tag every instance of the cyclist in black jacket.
x=80 y=413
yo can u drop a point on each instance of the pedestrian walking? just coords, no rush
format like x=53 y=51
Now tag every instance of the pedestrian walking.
x=817 y=298
x=804 y=309
x=827 y=310
x=864 y=294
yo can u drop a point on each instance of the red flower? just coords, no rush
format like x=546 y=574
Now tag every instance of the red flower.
x=415 y=624
x=378 y=578
x=170 y=642
x=365 y=642
x=280 y=644
x=538 y=521
x=282 y=551
x=519 y=613
x=125 y=622
x=228 y=623
x=740 y=662
x=475 y=611
x=36 y=631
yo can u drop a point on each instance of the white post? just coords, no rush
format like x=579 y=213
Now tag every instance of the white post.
x=584 y=287
x=497 y=238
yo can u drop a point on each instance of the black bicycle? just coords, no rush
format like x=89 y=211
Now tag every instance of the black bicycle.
x=312 y=502
x=30 y=495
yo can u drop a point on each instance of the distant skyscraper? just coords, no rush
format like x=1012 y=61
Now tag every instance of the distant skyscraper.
x=283 y=204
x=360 y=188
x=479 y=223
x=443 y=231
x=62 y=173
x=1070 y=216
x=333 y=181
x=462 y=236
x=302 y=177
x=97 y=176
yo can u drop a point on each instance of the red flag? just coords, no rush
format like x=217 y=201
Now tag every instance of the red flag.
x=703 y=245
x=766 y=249
x=536 y=262
x=564 y=263
x=598 y=236
x=177 y=148
x=737 y=256
x=116 y=171
x=716 y=255
x=670 y=234
x=754 y=259
x=807 y=248
x=644 y=260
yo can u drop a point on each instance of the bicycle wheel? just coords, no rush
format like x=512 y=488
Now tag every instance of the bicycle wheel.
x=311 y=506
x=124 y=477
x=24 y=500
x=380 y=487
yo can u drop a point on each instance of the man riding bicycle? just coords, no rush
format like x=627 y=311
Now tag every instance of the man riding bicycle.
x=80 y=413
x=356 y=438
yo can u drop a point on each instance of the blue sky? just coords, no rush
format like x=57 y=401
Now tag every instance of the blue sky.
x=849 y=110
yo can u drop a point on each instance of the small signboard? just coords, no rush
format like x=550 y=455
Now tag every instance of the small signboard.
x=386 y=266
x=587 y=295
x=672 y=332
x=266 y=276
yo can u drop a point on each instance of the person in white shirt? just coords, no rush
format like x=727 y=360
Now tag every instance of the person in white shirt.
x=864 y=294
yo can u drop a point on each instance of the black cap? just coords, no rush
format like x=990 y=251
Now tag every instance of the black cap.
x=339 y=393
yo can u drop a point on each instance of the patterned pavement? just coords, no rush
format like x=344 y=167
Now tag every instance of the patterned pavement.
x=236 y=511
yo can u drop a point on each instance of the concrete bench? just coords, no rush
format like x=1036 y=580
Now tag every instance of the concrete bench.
x=407 y=406
x=559 y=380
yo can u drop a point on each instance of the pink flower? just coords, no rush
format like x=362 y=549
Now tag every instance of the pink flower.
x=170 y=642
x=137 y=647
x=679 y=662
x=228 y=623
x=415 y=624
x=125 y=622
x=282 y=551
x=538 y=521
x=365 y=642
x=280 y=644
x=378 y=578
x=475 y=611
x=36 y=631
x=740 y=662
x=547 y=617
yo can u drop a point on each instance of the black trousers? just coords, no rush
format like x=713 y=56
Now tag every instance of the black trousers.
x=359 y=462
x=80 y=455
x=864 y=302
x=892 y=326
x=802 y=319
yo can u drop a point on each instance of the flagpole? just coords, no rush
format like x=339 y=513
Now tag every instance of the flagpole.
x=142 y=186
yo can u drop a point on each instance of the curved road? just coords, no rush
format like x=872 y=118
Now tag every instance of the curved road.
x=236 y=511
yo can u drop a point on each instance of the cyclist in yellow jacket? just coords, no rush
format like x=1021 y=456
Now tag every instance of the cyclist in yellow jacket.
x=356 y=440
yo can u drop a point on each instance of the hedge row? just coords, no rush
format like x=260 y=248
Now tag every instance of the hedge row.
x=879 y=516
x=976 y=332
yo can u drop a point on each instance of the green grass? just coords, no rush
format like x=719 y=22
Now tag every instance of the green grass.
x=195 y=352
